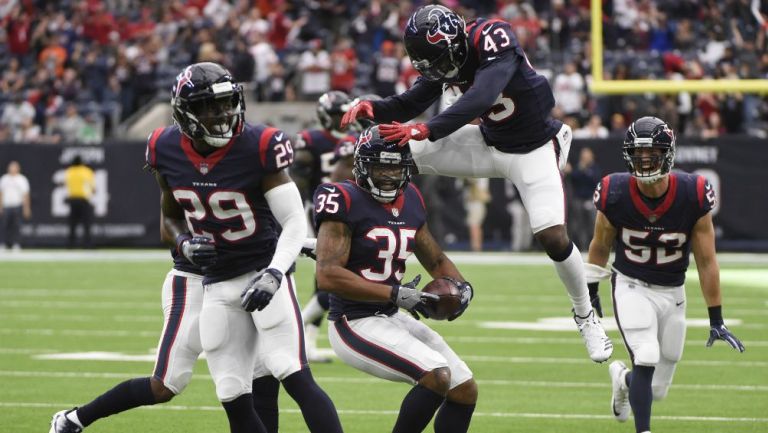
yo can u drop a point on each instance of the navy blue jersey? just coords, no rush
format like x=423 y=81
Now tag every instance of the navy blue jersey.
x=511 y=99
x=383 y=236
x=653 y=239
x=221 y=193
x=322 y=145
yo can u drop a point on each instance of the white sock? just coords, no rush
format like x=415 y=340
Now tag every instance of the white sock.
x=310 y=338
x=312 y=311
x=571 y=273
x=72 y=416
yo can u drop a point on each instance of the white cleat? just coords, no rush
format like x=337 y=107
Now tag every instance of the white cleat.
x=620 y=392
x=61 y=424
x=598 y=344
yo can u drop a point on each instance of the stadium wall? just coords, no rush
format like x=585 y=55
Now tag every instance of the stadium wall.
x=127 y=212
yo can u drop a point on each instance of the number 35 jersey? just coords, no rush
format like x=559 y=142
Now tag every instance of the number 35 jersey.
x=221 y=193
x=653 y=236
x=383 y=237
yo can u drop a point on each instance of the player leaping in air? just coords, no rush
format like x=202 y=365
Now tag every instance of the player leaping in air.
x=516 y=139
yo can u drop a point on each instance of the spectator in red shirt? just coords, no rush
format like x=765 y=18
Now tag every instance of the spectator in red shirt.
x=343 y=64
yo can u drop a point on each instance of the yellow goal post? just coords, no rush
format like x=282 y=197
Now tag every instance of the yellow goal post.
x=601 y=86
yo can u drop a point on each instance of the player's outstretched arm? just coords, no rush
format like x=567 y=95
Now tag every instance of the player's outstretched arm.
x=599 y=251
x=703 y=247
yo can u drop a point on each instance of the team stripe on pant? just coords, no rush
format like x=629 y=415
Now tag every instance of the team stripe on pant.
x=299 y=323
x=618 y=321
x=377 y=353
x=178 y=303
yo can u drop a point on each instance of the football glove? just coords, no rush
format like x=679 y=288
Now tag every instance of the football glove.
x=720 y=332
x=199 y=250
x=361 y=109
x=402 y=133
x=467 y=293
x=594 y=298
x=309 y=248
x=408 y=297
x=260 y=289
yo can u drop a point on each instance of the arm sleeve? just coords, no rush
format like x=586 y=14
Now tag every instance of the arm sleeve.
x=285 y=203
x=490 y=80
x=409 y=104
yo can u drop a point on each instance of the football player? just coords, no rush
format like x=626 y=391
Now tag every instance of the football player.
x=367 y=228
x=315 y=162
x=345 y=150
x=225 y=189
x=653 y=218
x=516 y=139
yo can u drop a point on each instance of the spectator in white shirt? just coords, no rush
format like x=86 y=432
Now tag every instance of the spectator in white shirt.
x=17 y=113
x=315 y=65
x=14 y=196
x=569 y=90
x=593 y=129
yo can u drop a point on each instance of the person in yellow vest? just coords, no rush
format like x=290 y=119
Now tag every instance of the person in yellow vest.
x=79 y=179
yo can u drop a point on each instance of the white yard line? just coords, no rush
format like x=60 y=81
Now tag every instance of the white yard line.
x=165 y=407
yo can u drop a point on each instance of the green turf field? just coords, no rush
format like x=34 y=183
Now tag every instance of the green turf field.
x=530 y=380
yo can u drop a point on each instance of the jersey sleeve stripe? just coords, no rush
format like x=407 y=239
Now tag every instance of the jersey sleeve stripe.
x=478 y=31
x=606 y=191
x=152 y=146
x=266 y=136
x=421 y=198
x=345 y=193
x=700 y=190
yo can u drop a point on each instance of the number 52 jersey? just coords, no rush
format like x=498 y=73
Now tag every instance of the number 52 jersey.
x=653 y=236
x=221 y=193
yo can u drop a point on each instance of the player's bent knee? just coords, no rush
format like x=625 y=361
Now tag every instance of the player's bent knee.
x=465 y=393
x=229 y=388
x=160 y=392
x=554 y=240
x=660 y=392
x=437 y=380
x=646 y=355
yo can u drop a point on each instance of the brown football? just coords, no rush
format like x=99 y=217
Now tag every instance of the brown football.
x=450 y=298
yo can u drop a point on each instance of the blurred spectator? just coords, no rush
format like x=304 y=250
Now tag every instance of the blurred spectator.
x=16 y=113
x=386 y=69
x=53 y=57
x=569 y=90
x=593 y=129
x=618 y=125
x=68 y=127
x=344 y=63
x=14 y=204
x=265 y=60
x=583 y=180
x=315 y=66
x=80 y=183
x=476 y=198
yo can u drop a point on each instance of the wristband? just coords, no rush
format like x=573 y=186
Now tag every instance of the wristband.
x=715 y=315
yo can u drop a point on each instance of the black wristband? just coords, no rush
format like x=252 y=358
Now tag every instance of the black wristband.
x=715 y=315
x=592 y=288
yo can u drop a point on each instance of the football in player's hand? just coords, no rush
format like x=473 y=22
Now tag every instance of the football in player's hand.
x=450 y=298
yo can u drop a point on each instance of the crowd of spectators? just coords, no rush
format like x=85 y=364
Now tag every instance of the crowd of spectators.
x=72 y=70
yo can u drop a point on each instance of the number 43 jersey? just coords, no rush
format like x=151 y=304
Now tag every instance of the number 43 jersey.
x=383 y=237
x=221 y=193
x=653 y=236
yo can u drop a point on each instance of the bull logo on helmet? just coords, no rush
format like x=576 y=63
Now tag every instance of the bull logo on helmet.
x=183 y=79
x=447 y=26
x=365 y=137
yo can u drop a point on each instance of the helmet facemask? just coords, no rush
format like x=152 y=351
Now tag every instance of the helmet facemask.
x=384 y=174
x=445 y=66
x=214 y=116
x=649 y=149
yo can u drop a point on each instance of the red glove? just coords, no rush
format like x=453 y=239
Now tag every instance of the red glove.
x=361 y=109
x=404 y=132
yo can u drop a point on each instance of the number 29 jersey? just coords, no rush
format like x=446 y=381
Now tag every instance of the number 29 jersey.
x=221 y=193
x=383 y=237
x=653 y=237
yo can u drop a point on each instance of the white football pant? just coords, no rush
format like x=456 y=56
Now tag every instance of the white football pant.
x=536 y=174
x=397 y=348
x=651 y=319
x=240 y=345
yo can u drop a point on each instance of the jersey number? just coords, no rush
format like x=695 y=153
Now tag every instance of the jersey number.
x=327 y=202
x=501 y=109
x=490 y=45
x=284 y=154
x=670 y=252
x=224 y=205
x=392 y=246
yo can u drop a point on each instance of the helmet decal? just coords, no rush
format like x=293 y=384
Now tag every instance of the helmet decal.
x=184 y=79
x=447 y=26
